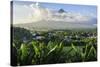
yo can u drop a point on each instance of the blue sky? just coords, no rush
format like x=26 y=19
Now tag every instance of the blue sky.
x=89 y=10
x=26 y=11
x=83 y=9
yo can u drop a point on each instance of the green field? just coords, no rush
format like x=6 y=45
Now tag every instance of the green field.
x=51 y=47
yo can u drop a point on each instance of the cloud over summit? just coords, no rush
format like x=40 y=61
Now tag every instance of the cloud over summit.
x=35 y=13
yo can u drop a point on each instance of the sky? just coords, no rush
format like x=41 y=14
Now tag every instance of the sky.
x=26 y=11
x=84 y=9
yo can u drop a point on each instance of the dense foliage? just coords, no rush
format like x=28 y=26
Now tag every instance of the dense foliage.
x=20 y=35
x=54 y=47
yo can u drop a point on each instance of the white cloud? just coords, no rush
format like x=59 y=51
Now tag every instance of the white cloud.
x=34 y=13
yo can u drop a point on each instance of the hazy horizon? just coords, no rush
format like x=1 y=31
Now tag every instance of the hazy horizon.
x=47 y=15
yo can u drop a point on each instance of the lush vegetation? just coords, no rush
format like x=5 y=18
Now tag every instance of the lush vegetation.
x=29 y=47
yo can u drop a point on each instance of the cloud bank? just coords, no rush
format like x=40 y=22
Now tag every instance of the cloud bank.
x=34 y=13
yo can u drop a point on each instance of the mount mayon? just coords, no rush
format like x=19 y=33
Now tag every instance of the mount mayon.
x=46 y=19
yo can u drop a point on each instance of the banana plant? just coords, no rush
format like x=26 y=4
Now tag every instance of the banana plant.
x=47 y=53
x=86 y=53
